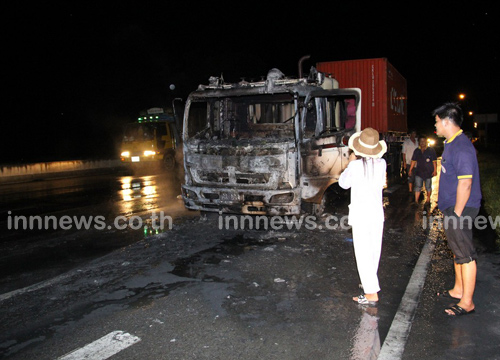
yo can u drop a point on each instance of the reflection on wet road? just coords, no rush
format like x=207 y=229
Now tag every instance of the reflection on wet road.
x=153 y=199
x=367 y=338
x=48 y=227
x=137 y=188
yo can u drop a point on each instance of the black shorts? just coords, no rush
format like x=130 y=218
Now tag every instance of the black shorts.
x=458 y=232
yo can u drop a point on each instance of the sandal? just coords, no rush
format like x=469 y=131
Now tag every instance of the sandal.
x=362 y=300
x=458 y=311
x=446 y=294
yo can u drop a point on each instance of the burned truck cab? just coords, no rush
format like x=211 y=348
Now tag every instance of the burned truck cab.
x=271 y=147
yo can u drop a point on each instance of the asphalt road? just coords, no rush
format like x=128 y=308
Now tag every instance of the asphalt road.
x=202 y=290
x=50 y=226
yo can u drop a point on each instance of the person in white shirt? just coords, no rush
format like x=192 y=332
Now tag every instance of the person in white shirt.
x=365 y=176
x=409 y=146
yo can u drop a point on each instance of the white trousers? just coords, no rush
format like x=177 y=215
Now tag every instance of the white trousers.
x=367 y=240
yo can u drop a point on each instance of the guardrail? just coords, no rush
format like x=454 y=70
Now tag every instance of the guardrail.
x=35 y=171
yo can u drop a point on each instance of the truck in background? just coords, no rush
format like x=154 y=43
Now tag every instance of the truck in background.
x=383 y=101
x=276 y=146
x=151 y=139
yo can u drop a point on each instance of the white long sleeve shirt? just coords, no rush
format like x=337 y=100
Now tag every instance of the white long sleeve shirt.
x=366 y=179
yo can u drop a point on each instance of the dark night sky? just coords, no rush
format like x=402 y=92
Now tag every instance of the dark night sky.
x=78 y=70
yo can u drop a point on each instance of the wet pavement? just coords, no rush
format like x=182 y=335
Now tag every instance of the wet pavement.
x=435 y=335
x=30 y=254
x=233 y=309
x=201 y=292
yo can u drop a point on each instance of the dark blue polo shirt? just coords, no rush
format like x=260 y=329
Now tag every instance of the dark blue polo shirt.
x=458 y=161
x=425 y=162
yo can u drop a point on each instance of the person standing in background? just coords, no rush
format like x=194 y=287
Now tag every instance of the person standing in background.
x=409 y=146
x=425 y=160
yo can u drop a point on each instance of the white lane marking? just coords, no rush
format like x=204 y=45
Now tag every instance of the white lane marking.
x=394 y=344
x=103 y=348
x=34 y=287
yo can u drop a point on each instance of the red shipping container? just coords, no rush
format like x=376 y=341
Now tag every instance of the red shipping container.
x=383 y=91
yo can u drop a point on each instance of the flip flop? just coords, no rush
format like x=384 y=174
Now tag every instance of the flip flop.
x=446 y=294
x=459 y=311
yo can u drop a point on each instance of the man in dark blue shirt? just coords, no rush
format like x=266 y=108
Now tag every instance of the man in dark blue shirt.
x=459 y=200
x=425 y=160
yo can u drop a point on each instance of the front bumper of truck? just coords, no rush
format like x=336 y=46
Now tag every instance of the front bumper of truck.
x=242 y=201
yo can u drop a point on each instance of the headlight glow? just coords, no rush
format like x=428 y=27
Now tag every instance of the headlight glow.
x=149 y=153
x=125 y=153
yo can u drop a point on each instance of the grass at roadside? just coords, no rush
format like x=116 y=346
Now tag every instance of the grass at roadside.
x=489 y=172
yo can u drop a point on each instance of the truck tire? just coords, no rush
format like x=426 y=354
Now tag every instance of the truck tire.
x=169 y=161
x=315 y=209
x=332 y=197
x=319 y=209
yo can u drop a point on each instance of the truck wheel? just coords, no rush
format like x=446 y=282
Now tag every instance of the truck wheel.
x=319 y=209
x=331 y=195
x=316 y=209
x=169 y=161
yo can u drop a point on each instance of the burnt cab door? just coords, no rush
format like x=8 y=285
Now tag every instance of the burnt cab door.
x=328 y=118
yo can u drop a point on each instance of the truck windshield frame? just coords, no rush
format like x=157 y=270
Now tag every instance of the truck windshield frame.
x=242 y=117
x=335 y=114
x=140 y=132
